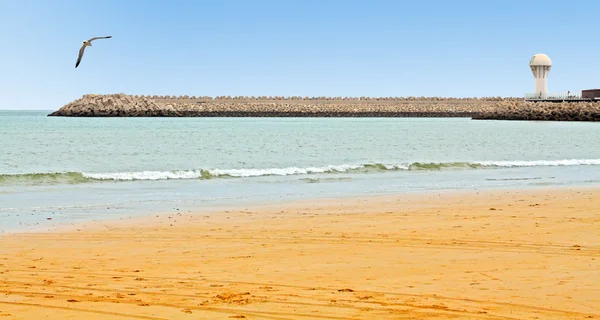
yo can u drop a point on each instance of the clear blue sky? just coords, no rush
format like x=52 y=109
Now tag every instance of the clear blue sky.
x=296 y=47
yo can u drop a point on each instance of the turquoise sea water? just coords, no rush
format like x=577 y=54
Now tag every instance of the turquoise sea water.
x=72 y=169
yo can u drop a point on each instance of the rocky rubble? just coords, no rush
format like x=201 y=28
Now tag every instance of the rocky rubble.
x=121 y=105
x=113 y=105
x=542 y=111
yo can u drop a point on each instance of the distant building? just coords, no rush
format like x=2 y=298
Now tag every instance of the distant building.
x=590 y=93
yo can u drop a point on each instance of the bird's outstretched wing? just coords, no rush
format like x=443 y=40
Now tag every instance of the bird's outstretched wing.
x=80 y=55
x=94 y=38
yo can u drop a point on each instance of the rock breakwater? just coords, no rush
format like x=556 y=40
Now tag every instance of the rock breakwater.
x=542 y=111
x=113 y=105
x=122 y=105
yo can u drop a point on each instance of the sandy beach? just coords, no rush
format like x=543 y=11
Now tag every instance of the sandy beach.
x=478 y=255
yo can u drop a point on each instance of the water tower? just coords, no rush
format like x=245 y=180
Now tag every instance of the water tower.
x=540 y=65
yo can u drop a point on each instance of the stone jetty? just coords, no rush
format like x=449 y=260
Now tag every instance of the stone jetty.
x=122 y=105
x=114 y=105
x=542 y=111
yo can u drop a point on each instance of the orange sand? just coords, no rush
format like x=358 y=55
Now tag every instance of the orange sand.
x=486 y=255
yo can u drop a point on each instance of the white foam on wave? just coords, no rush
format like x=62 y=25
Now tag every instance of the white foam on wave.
x=396 y=166
x=195 y=174
x=146 y=175
x=281 y=171
x=252 y=172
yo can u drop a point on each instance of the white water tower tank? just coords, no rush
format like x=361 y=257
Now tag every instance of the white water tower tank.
x=540 y=65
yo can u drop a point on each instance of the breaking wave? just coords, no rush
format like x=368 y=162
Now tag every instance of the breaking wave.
x=204 y=174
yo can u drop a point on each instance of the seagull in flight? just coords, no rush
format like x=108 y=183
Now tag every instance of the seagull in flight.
x=87 y=43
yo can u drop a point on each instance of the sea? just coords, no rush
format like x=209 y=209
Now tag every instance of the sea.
x=56 y=171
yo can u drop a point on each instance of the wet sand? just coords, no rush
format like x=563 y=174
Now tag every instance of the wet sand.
x=477 y=255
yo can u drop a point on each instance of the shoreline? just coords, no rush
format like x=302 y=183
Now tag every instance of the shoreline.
x=510 y=254
x=143 y=215
x=354 y=202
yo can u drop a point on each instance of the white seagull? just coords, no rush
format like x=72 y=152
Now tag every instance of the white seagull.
x=86 y=44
